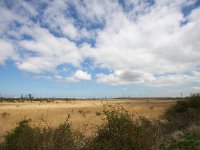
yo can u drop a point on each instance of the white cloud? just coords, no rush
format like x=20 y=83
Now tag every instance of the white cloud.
x=54 y=17
x=121 y=77
x=57 y=18
x=37 y=64
x=177 y=79
x=153 y=43
x=51 y=51
x=82 y=75
x=12 y=17
x=197 y=88
x=58 y=77
x=78 y=76
x=156 y=42
x=136 y=43
x=6 y=51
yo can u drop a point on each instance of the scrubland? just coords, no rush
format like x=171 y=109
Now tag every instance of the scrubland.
x=94 y=124
x=83 y=113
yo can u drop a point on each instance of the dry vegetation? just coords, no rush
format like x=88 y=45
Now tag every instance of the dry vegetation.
x=102 y=125
x=84 y=114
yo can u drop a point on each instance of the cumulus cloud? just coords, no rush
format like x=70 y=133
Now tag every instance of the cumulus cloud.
x=139 y=42
x=124 y=77
x=6 y=51
x=156 y=42
x=121 y=77
x=51 y=51
x=37 y=64
x=78 y=76
x=55 y=19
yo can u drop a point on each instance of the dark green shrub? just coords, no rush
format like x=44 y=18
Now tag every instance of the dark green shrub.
x=21 y=137
x=194 y=101
x=189 y=141
x=120 y=132
x=63 y=138
x=184 y=113
x=26 y=137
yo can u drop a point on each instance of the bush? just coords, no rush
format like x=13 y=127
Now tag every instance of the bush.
x=189 y=141
x=25 y=137
x=120 y=132
x=21 y=137
x=184 y=113
x=63 y=138
x=194 y=101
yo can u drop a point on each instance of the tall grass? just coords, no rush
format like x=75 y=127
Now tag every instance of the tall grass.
x=119 y=131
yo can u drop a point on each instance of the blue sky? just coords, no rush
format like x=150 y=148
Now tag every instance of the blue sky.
x=93 y=48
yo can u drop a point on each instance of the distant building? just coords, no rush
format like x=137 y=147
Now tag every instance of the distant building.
x=28 y=96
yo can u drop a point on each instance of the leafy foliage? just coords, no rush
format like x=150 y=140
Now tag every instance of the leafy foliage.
x=189 y=141
x=26 y=137
x=184 y=113
x=120 y=132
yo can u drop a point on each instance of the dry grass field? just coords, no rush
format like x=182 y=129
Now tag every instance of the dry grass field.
x=84 y=114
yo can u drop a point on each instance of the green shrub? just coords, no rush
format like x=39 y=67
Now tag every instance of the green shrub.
x=189 y=141
x=21 y=137
x=184 y=113
x=63 y=138
x=26 y=137
x=120 y=132
x=194 y=101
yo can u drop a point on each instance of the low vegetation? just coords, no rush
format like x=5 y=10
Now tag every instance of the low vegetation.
x=184 y=113
x=177 y=130
x=188 y=141
x=27 y=137
x=121 y=131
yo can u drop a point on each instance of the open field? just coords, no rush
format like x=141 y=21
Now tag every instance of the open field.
x=84 y=113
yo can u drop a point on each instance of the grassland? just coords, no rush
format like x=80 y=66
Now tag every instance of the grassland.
x=84 y=114
x=114 y=124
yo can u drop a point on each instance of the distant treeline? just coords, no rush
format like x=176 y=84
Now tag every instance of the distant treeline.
x=11 y=99
x=2 y=99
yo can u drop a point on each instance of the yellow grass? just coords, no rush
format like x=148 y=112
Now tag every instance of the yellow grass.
x=82 y=112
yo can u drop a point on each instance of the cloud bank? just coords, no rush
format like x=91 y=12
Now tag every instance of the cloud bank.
x=154 y=43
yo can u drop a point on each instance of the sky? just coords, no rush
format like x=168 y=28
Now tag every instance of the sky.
x=99 y=48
